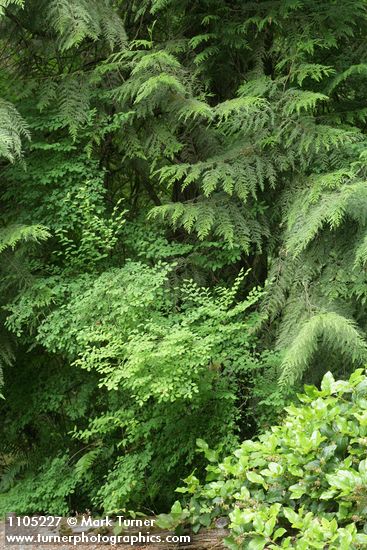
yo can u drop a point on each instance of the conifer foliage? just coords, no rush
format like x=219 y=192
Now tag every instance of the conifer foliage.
x=183 y=233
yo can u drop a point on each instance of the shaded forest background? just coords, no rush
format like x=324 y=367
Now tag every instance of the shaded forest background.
x=183 y=234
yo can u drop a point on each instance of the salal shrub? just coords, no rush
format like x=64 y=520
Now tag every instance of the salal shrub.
x=302 y=484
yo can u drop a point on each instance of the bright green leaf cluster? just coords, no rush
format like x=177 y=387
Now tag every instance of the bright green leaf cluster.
x=302 y=484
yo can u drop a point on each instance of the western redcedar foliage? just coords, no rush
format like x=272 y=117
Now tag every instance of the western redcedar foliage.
x=183 y=232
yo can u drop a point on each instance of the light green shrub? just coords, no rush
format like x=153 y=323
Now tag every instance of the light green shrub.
x=302 y=484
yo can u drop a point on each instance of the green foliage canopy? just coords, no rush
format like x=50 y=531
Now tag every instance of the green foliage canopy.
x=152 y=153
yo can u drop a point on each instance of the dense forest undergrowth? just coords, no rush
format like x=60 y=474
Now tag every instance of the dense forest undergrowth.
x=183 y=234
